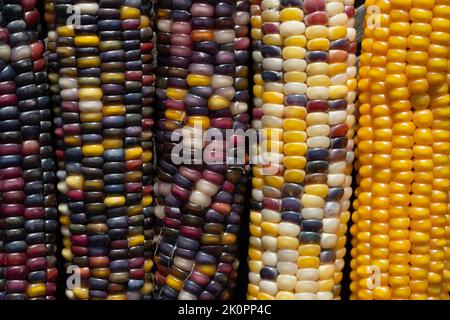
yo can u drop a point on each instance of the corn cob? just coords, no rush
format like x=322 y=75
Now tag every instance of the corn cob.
x=104 y=54
x=202 y=45
x=307 y=97
x=403 y=179
x=28 y=213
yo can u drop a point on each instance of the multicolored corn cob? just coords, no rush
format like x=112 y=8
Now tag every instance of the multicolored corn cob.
x=201 y=83
x=105 y=78
x=308 y=90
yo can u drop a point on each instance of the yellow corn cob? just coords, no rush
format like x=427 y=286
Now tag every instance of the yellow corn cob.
x=402 y=153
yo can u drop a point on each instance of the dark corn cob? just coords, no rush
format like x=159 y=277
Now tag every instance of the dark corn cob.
x=202 y=46
x=106 y=83
x=27 y=212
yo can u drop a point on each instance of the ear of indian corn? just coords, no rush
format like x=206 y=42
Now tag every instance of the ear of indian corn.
x=307 y=94
x=28 y=203
x=201 y=84
x=105 y=77
x=403 y=175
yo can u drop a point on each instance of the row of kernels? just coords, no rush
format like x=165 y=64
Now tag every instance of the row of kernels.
x=87 y=182
x=171 y=91
x=47 y=162
x=345 y=82
x=119 y=151
x=293 y=148
x=319 y=178
x=351 y=84
x=360 y=230
x=64 y=48
x=223 y=281
x=142 y=152
x=444 y=147
x=398 y=160
x=272 y=80
x=339 y=46
x=53 y=79
x=418 y=40
x=148 y=93
x=438 y=122
x=383 y=181
x=241 y=120
x=254 y=251
x=297 y=263
x=48 y=165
